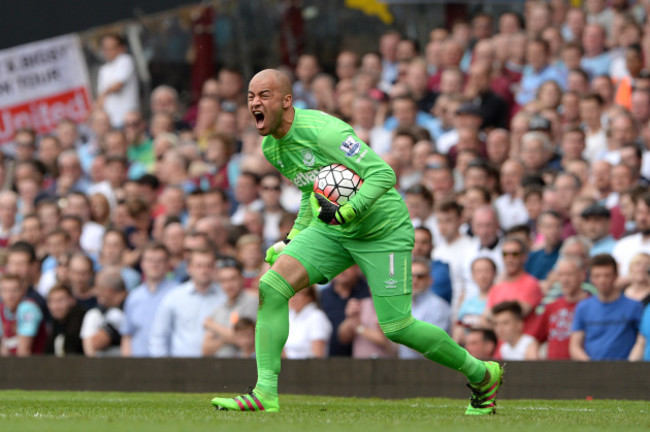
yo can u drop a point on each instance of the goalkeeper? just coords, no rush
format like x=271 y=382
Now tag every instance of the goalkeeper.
x=372 y=230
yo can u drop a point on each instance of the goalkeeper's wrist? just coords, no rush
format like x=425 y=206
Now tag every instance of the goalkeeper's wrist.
x=345 y=213
x=294 y=232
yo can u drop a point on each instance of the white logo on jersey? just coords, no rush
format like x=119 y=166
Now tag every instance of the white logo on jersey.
x=304 y=178
x=308 y=158
x=390 y=283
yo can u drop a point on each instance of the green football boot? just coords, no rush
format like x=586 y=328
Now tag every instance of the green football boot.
x=254 y=400
x=483 y=400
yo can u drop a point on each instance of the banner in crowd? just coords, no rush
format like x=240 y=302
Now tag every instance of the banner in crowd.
x=42 y=83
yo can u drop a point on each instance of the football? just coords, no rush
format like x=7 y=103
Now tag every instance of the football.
x=337 y=183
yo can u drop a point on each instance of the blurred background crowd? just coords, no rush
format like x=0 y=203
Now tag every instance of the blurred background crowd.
x=520 y=141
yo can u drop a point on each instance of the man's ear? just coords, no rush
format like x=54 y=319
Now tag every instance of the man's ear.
x=287 y=102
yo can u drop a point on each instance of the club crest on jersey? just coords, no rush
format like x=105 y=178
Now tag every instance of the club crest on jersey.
x=308 y=157
x=350 y=147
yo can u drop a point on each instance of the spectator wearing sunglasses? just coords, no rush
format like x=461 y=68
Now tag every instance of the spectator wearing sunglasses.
x=516 y=284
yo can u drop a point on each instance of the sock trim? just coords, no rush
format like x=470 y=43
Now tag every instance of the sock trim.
x=396 y=326
x=278 y=283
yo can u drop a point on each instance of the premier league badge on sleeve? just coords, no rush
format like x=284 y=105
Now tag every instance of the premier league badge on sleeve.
x=350 y=147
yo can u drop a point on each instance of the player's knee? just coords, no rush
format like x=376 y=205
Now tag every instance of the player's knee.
x=291 y=271
x=272 y=284
x=396 y=330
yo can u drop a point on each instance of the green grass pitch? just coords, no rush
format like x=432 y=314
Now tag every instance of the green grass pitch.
x=162 y=412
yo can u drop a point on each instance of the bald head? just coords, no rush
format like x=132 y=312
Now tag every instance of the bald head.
x=270 y=102
x=274 y=79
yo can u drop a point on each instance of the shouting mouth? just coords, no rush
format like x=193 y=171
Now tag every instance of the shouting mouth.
x=259 y=119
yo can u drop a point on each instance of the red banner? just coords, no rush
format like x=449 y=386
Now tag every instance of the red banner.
x=44 y=114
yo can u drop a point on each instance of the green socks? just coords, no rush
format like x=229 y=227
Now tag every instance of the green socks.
x=436 y=345
x=272 y=330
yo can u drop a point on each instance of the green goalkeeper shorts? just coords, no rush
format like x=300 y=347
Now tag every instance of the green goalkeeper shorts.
x=386 y=262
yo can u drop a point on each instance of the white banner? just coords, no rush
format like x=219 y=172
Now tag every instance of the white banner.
x=42 y=83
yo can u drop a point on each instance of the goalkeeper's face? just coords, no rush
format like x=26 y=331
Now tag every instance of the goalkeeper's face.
x=267 y=101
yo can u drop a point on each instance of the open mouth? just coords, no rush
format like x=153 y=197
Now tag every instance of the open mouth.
x=259 y=118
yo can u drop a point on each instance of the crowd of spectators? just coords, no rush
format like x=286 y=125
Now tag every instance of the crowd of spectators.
x=521 y=145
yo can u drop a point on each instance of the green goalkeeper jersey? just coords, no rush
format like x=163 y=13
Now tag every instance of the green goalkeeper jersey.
x=317 y=139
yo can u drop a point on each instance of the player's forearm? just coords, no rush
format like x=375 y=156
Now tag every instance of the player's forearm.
x=373 y=188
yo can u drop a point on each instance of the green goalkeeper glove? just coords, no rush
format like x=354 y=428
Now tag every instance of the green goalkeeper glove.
x=274 y=251
x=330 y=212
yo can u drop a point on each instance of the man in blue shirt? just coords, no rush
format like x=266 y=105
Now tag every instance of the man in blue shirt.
x=596 y=60
x=143 y=302
x=426 y=305
x=441 y=280
x=541 y=262
x=643 y=347
x=537 y=72
x=605 y=327
x=177 y=329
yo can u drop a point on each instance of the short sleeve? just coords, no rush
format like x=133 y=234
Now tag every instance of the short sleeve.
x=28 y=317
x=124 y=68
x=91 y=324
x=114 y=317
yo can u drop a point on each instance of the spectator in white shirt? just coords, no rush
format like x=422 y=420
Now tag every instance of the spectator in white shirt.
x=486 y=243
x=454 y=247
x=629 y=246
x=117 y=82
x=510 y=205
x=309 y=328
